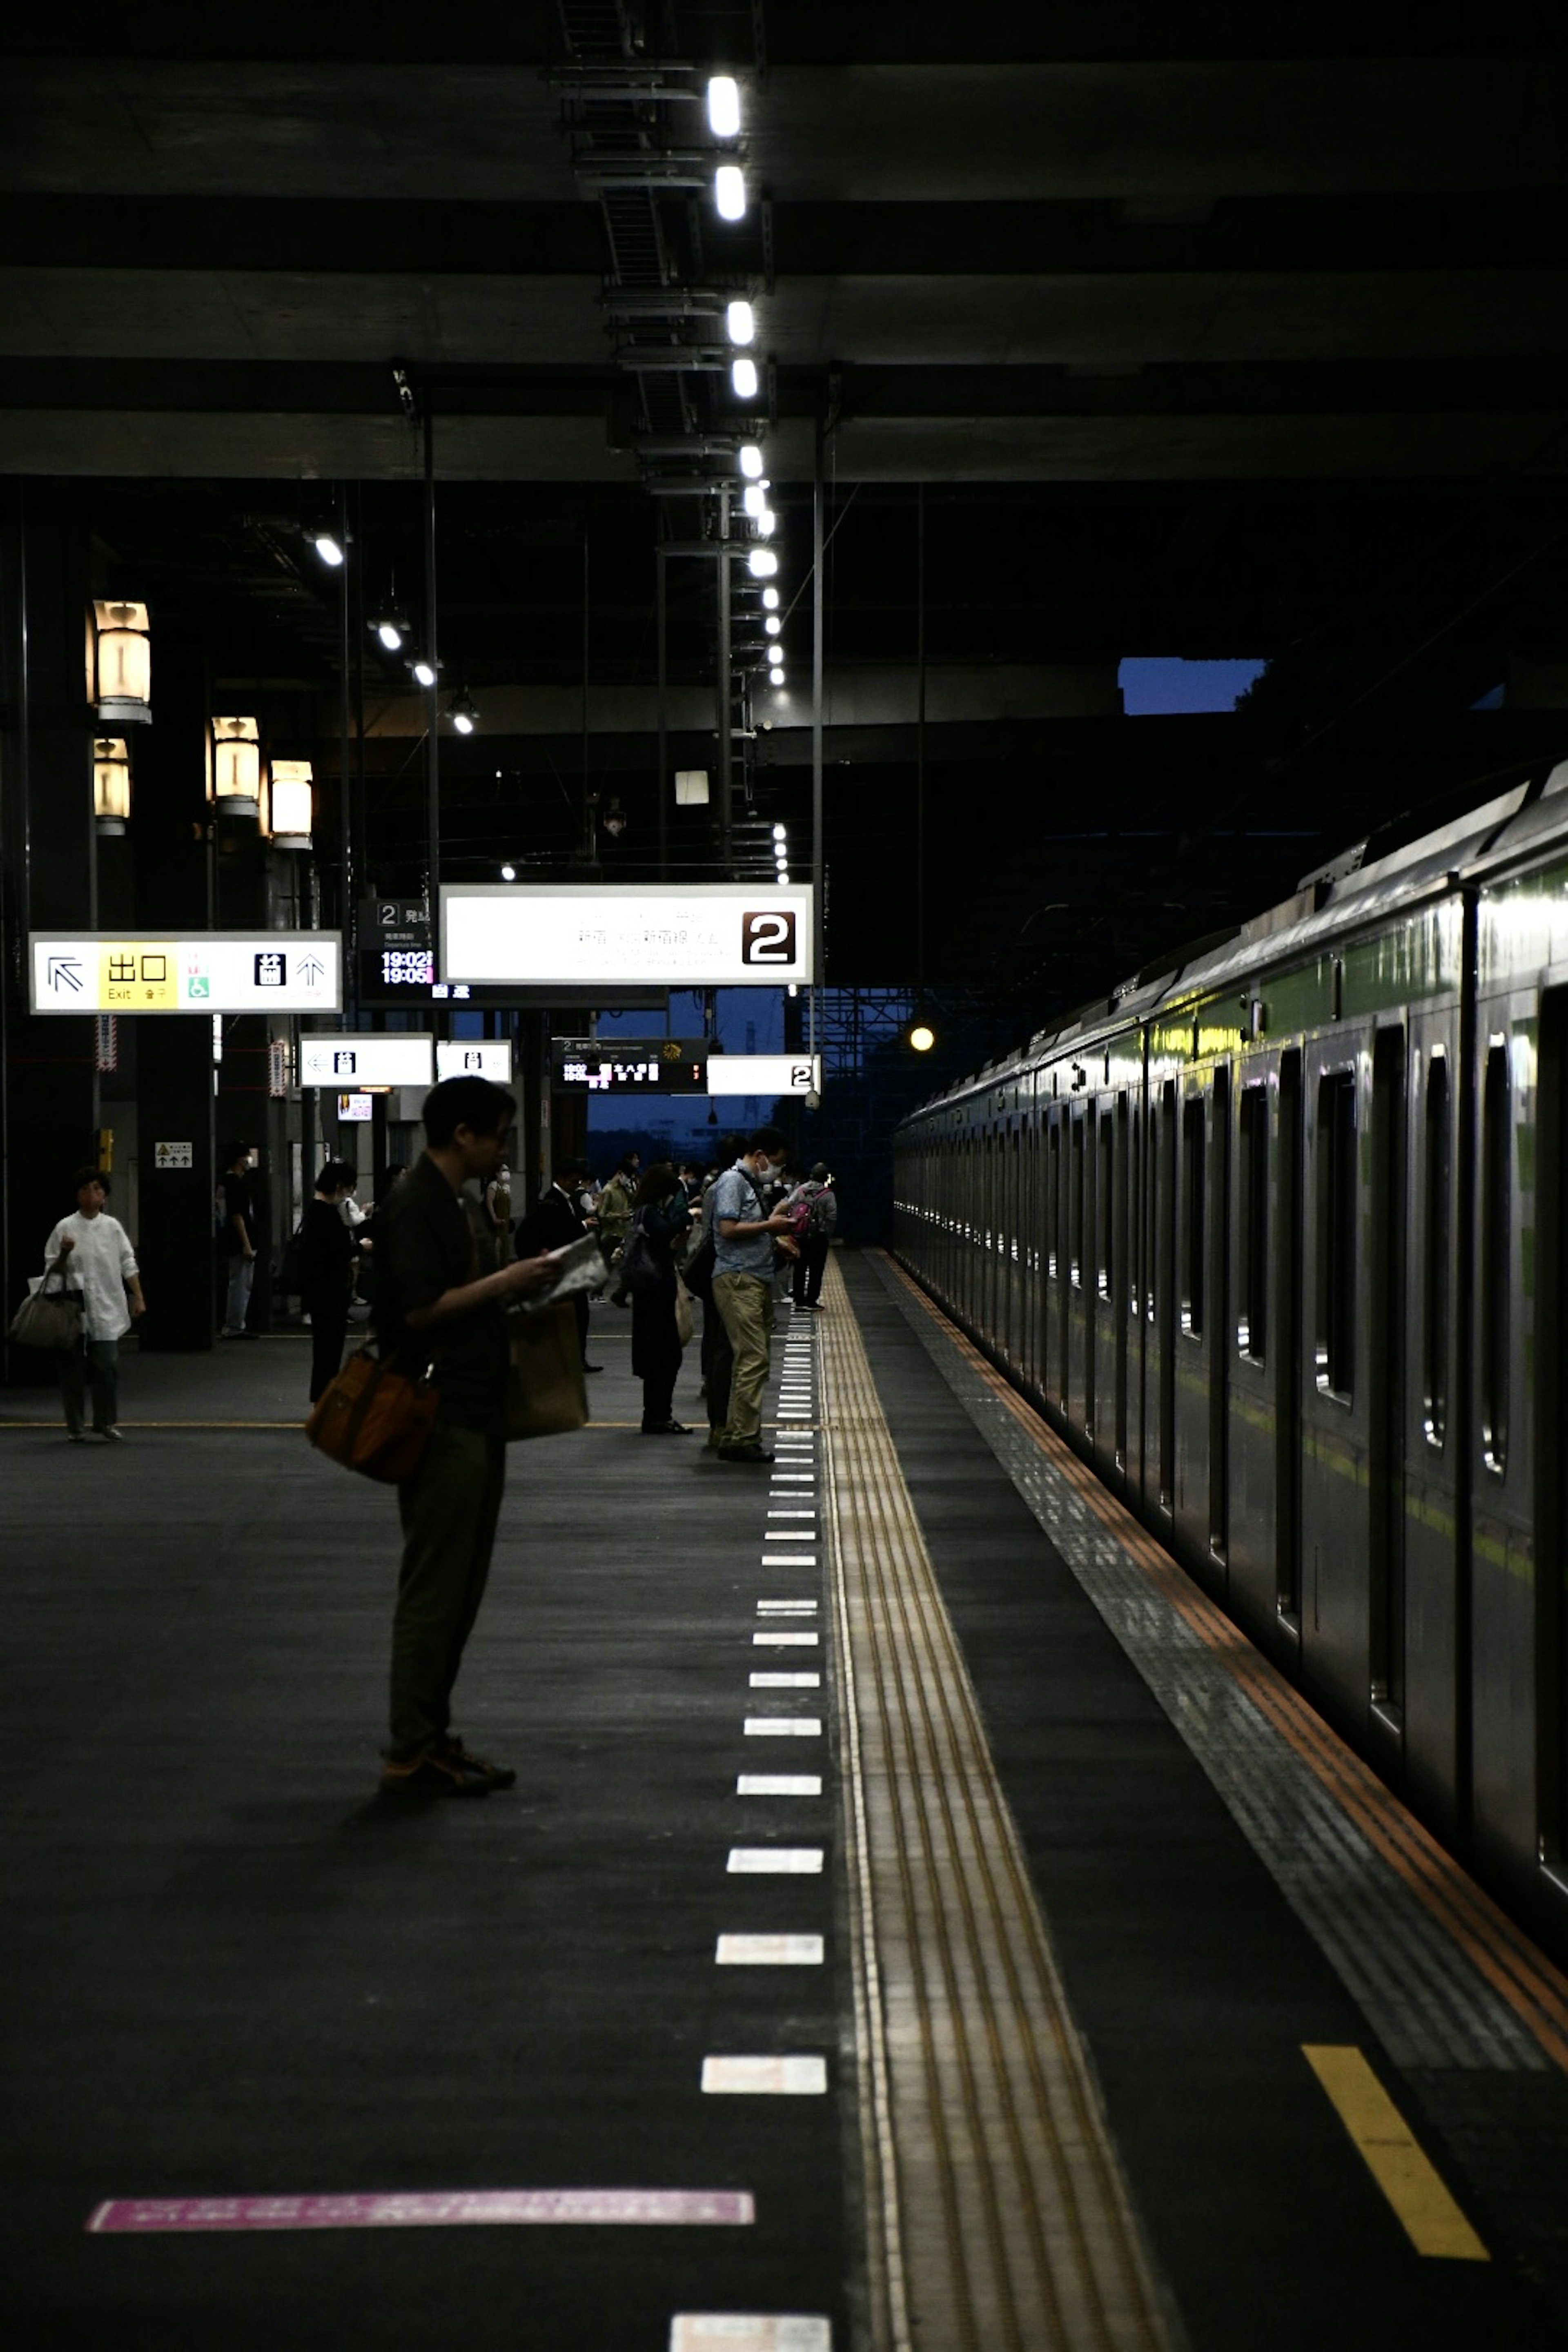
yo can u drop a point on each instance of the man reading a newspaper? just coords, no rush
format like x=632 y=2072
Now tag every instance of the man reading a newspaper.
x=441 y=1300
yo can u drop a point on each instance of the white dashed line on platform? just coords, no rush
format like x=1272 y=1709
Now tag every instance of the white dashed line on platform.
x=784 y=1681
x=769 y=1952
x=778 y=1784
x=774 y=1861
x=749 y=2331
x=785 y=1641
x=786 y=1608
x=783 y=1727
x=777 y=2077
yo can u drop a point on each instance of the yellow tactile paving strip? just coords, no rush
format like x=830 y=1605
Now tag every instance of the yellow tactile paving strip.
x=998 y=2218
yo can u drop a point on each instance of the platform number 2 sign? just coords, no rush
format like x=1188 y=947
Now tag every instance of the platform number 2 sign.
x=768 y=938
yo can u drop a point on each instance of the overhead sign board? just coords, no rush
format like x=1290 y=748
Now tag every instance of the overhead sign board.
x=475 y=1057
x=765 y=1073
x=207 y=971
x=343 y=1059
x=707 y=935
x=630 y=1065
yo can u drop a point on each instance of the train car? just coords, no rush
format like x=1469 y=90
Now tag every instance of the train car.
x=1273 y=1238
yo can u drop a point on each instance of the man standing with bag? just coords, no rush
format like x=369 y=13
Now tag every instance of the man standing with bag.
x=744 y=1236
x=441 y=1298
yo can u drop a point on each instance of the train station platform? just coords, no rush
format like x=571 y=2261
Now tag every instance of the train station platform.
x=921 y=1921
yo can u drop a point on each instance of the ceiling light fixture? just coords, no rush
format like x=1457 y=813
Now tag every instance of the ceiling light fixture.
x=740 y=323
x=754 y=498
x=761 y=562
x=729 y=192
x=749 y=458
x=463 y=712
x=391 y=626
x=781 y=833
x=770 y=600
x=772 y=624
x=509 y=874
x=424 y=671
x=767 y=522
x=329 y=546
x=725 y=106
x=743 y=379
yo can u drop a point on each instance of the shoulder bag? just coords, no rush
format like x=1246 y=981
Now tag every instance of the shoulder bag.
x=49 y=1319
x=374 y=1419
x=638 y=1270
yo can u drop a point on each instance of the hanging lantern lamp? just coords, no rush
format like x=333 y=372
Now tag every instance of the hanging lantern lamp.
x=118 y=662
x=111 y=783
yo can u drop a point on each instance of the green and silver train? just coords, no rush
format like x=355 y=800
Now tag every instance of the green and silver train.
x=1275 y=1238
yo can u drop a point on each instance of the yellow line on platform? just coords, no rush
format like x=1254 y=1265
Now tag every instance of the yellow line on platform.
x=1388 y=2148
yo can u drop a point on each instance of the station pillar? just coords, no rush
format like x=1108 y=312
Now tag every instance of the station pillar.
x=48 y=1085
x=174 y=1051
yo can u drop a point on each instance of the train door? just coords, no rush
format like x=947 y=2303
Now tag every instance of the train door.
x=1219 y=1209
x=1198 y=1178
x=1161 y=1330
x=1436 y=1551
x=1016 y=1247
x=1109 y=1358
x=1550 y=1397
x=1510 y=1607
x=1337 y=1383
x=1134 y=1302
x=1286 y=1259
x=1388 y=1238
x=1075 y=1396
x=1051 y=1289
x=1251 y=1346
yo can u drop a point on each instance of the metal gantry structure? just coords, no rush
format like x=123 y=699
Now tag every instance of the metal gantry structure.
x=665 y=161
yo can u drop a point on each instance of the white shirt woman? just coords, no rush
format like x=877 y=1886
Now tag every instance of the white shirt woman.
x=101 y=1262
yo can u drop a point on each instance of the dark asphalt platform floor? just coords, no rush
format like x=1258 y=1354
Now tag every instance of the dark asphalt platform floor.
x=230 y=1968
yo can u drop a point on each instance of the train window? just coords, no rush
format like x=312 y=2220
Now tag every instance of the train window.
x=1438 y=1243
x=1335 y=1347
x=1193 y=1225
x=1104 y=1197
x=1252 y=1236
x=1076 y=1205
x=1494 y=1260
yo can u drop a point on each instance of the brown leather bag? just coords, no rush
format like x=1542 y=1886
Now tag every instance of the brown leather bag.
x=374 y=1419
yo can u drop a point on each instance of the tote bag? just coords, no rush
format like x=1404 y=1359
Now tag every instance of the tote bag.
x=49 y=1319
x=545 y=1394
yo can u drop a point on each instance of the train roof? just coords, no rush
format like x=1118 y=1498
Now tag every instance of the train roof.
x=1371 y=879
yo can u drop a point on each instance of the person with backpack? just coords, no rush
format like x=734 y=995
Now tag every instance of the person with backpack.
x=813 y=1210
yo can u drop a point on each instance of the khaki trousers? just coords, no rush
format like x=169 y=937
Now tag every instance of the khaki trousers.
x=745 y=1304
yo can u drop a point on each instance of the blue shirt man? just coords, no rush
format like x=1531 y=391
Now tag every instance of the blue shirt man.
x=743 y=1240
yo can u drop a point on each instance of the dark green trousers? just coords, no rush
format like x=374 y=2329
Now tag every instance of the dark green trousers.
x=450 y=1510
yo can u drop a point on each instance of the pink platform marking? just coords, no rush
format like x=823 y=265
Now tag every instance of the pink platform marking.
x=427 y=2209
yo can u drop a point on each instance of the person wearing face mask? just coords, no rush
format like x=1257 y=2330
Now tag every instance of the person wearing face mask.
x=745 y=1234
